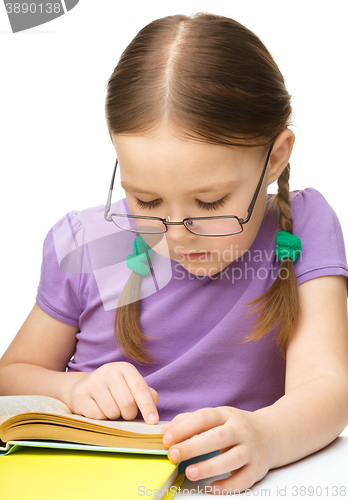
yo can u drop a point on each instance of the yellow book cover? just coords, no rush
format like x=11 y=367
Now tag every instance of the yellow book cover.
x=42 y=473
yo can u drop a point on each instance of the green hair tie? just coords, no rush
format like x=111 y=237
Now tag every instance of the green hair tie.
x=288 y=246
x=136 y=260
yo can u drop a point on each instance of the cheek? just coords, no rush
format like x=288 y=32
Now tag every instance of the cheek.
x=230 y=248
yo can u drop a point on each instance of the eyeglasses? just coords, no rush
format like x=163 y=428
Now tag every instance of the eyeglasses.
x=220 y=225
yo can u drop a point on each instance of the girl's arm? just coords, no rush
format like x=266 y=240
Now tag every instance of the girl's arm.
x=314 y=410
x=311 y=414
x=36 y=361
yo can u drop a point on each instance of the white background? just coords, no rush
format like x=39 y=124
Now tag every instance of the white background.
x=56 y=154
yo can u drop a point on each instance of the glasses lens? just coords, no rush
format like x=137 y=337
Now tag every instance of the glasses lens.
x=146 y=226
x=214 y=227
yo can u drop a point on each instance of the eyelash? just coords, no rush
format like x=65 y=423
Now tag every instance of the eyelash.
x=207 y=206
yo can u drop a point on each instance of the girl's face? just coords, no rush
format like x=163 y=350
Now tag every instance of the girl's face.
x=182 y=178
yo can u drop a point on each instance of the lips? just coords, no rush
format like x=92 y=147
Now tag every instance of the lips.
x=193 y=255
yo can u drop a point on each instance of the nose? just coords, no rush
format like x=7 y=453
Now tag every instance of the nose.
x=179 y=232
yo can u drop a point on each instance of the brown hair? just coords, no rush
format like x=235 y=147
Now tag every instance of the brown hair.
x=213 y=80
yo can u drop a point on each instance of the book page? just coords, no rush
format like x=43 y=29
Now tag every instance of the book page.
x=137 y=426
x=13 y=405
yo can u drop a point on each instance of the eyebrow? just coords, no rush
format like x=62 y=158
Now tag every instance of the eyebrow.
x=210 y=189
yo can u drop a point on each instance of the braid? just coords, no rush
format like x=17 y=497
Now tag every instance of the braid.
x=285 y=219
x=280 y=303
x=127 y=331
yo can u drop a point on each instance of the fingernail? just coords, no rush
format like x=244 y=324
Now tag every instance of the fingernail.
x=193 y=471
x=152 y=419
x=174 y=455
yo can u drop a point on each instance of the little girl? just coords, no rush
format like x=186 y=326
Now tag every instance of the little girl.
x=198 y=298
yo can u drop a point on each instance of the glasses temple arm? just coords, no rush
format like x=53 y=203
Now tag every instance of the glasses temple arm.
x=108 y=203
x=251 y=206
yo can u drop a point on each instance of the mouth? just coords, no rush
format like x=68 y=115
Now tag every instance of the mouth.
x=192 y=255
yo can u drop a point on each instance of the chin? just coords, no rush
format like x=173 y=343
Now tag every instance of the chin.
x=199 y=269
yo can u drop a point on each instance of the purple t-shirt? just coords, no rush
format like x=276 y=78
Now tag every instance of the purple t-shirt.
x=197 y=323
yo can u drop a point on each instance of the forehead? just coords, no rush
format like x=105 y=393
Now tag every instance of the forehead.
x=163 y=151
x=211 y=188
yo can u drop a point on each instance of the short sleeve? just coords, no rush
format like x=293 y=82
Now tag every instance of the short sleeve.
x=318 y=227
x=58 y=290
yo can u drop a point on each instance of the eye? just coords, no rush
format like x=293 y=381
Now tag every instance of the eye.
x=146 y=204
x=214 y=205
x=206 y=206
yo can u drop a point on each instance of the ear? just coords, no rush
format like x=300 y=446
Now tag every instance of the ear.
x=280 y=155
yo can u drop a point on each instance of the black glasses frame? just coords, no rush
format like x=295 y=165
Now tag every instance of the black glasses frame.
x=167 y=223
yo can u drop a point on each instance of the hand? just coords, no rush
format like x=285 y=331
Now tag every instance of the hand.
x=113 y=390
x=243 y=438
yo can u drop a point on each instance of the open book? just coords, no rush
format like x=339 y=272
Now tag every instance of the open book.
x=49 y=447
x=44 y=418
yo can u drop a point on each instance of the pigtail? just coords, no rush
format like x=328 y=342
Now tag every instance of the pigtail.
x=280 y=303
x=127 y=331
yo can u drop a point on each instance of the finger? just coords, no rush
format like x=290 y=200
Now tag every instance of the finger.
x=106 y=402
x=154 y=395
x=123 y=398
x=240 y=481
x=90 y=409
x=142 y=396
x=218 y=465
x=206 y=442
x=195 y=423
x=176 y=419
